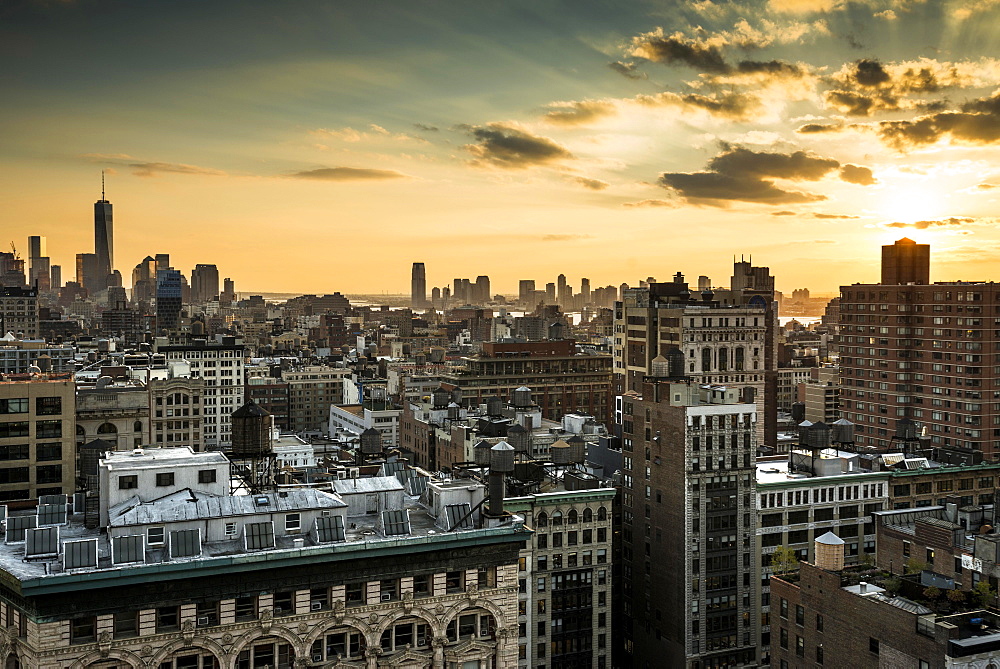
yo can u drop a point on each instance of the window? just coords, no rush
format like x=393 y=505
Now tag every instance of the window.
x=454 y=581
x=165 y=479
x=48 y=429
x=355 y=594
x=167 y=619
x=128 y=482
x=18 y=428
x=82 y=630
x=819 y=623
x=246 y=608
x=48 y=452
x=154 y=536
x=206 y=476
x=283 y=603
x=800 y=615
x=422 y=585
x=16 y=405
x=126 y=624
x=800 y=646
x=293 y=521
x=48 y=474
x=784 y=608
x=15 y=475
x=873 y=645
x=15 y=452
x=783 y=638
x=48 y=406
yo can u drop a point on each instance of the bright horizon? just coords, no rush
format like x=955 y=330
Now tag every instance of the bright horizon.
x=325 y=147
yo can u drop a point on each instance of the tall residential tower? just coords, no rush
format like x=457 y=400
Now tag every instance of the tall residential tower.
x=418 y=286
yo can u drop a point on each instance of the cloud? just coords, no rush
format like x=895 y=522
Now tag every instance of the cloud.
x=627 y=69
x=372 y=132
x=833 y=216
x=592 y=184
x=642 y=204
x=784 y=212
x=509 y=147
x=731 y=106
x=739 y=174
x=348 y=174
x=888 y=15
x=426 y=128
x=150 y=169
x=946 y=222
x=805 y=6
x=978 y=123
x=855 y=174
x=817 y=128
x=814 y=214
x=564 y=238
x=677 y=49
x=578 y=112
x=981 y=188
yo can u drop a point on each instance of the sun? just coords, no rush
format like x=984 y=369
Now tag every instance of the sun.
x=911 y=204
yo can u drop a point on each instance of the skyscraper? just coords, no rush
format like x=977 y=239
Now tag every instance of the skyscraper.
x=689 y=572
x=169 y=298
x=906 y=262
x=525 y=291
x=204 y=283
x=55 y=274
x=88 y=274
x=104 y=243
x=36 y=247
x=418 y=286
x=483 y=295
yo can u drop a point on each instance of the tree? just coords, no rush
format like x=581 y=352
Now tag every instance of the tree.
x=956 y=596
x=784 y=560
x=983 y=593
x=915 y=566
x=892 y=584
x=932 y=592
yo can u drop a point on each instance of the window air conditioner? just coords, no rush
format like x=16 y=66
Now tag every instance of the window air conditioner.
x=386 y=597
x=318 y=657
x=204 y=621
x=316 y=606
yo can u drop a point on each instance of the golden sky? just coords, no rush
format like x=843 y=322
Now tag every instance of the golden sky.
x=319 y=146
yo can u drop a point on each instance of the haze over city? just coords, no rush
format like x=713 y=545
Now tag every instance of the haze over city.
x=301 y=142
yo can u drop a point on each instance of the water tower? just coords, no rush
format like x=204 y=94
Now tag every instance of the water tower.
x=252 y=455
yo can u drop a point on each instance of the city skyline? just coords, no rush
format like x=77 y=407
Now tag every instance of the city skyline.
x=806 y=133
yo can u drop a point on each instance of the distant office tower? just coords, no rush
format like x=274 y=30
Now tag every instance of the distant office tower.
x=169 y=297
x=88 y=274
x=162 y=261
x=104 y=240
x=918 y=364
x=906 y=262
x=746 y=277
x=550 y=293
x=228 y=295
x=704 y=283
x=144 y=280
x=562 y=290
x=55 y=277
x=690 y=573
x=621 y=291
x=204 y=283
x=418 y=286
x=483 y=295
x=525 y=290
x=436 y=297
x=36 y=247
x=585 y=291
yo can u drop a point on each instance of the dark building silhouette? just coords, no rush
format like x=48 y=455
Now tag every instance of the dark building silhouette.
x=104 y=243
x=169 y=298
x=906 y=262
x=418 y=285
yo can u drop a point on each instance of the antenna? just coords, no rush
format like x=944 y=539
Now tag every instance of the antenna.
x=102 y=185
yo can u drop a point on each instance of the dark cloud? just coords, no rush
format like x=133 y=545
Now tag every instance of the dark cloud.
x=813 y=214
x=775 y=68
x=784 y=212
x=677 y=49
x=578 y=112
x=855 y=174
x=592 y=184
x=834 y=216
x=426 y=128
x=739 y=174
x=512 y=148
x=627 y=69
x=870 y=73
x=348 y=174
x=731 y=106
x=978 y=123
x=817 y=128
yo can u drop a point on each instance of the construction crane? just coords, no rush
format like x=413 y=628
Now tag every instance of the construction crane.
x=13 y=250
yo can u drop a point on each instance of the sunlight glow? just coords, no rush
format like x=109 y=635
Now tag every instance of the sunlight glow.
x=912 y=204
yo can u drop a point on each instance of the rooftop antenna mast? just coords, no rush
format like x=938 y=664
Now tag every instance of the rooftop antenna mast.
x=102 y=185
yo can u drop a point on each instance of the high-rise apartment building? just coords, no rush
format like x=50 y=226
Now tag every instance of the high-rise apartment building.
x=204 y=283
x=720 y=343
x=525 y=291
x=169 y=299
x=37 y=428
x=104 y=241
x=483 y=292
x=922 y=354
x=19 y=312
x=220 y=363
x=906 y=262
x=418 y=286
x=88 y=273
x=55 y=277
x=689 y=571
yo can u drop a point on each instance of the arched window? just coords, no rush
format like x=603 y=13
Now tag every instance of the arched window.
x=602 y=513
x=346 y=642
x=472 y=624
x=706 y=359
x=80 y=432
x=723 y=359
x=572 y=517
x=739 y=358
x=556 y=518
x=405 y=634
x=542 y=520
x=270 y=651
x=588 y=515
x=137 y=426
x=107 y=428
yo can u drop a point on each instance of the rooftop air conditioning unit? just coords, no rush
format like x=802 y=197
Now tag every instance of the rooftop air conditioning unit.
x=342 y=474
x=316 y=606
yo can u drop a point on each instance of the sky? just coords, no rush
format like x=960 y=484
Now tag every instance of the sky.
x=318 y=146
